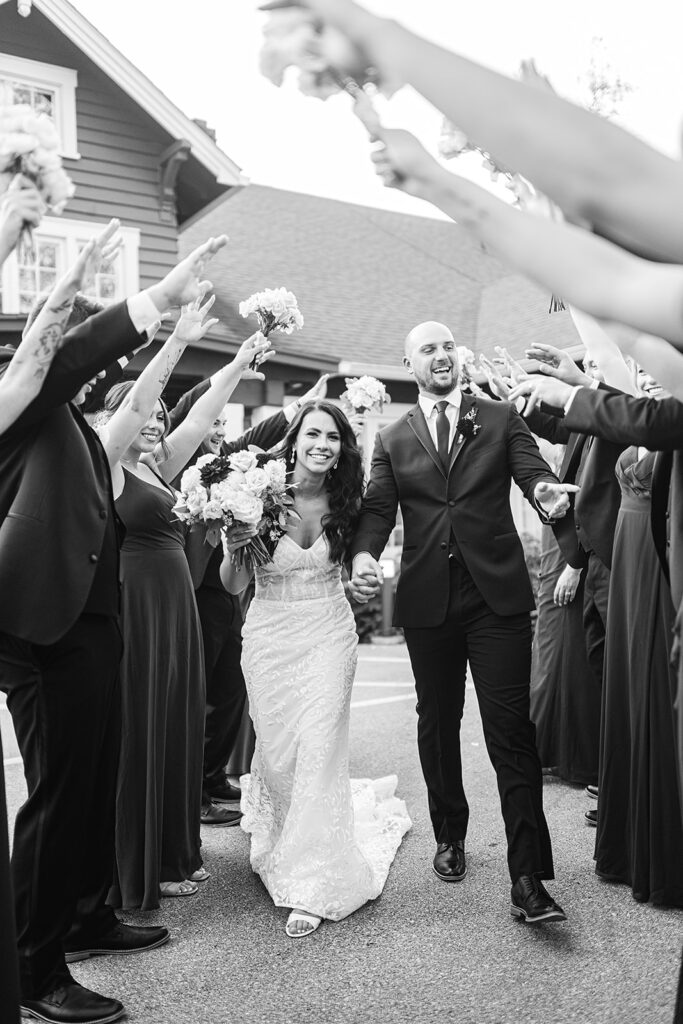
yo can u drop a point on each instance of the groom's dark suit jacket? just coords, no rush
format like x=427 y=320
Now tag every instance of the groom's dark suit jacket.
x=470 y=503
x=55 y=489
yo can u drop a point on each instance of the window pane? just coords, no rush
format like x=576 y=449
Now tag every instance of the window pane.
x=27 y=279
x=48 y=279
x=47 y=254
x=44 y=102
x=21 y=94
x=106 y=288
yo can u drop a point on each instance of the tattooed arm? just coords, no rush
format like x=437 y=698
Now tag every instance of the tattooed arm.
x=132 y=415
x=30 y=363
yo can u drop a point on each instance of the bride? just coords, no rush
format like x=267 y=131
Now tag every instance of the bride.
x=322 y=844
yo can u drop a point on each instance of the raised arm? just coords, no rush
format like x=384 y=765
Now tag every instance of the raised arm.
x=593 y=169
x=188 y=435
x=592 y=274
x=20 y=207
x=28 y=368
x=132 y=415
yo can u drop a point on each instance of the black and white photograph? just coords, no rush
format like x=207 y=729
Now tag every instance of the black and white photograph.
x=341 y=512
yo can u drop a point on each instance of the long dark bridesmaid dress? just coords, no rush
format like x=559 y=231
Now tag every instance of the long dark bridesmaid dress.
x=158 y=802
x=565 y=699
x=640 y=832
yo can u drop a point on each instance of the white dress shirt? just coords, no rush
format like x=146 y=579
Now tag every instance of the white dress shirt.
x=428 y=406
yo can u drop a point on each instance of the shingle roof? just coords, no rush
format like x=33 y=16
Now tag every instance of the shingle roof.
x=364 y=277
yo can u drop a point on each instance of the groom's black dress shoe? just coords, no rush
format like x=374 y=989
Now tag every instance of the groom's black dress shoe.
x=70 y=1003
x=449 y=861
x=119 y=940
x=531 y=902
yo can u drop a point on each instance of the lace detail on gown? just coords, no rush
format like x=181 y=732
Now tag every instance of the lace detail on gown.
x=319 y=841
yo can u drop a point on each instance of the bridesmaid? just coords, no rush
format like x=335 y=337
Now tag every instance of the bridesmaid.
x=640 y=832
x=162 y=672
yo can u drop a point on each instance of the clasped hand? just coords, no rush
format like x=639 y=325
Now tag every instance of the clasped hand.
x=366 y=578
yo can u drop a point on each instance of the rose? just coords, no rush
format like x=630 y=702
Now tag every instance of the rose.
x=191 y=479
x=204 y=460
x=276 y=471
x=196 y=499
x=243 y=461
x=212 y=510
x=256 y=481
x=246 y=507
x=223 y=493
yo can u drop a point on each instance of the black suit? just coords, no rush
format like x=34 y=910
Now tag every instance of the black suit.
x=589 y=462
x=59 y=651
x=220 y=613
x=464 y=595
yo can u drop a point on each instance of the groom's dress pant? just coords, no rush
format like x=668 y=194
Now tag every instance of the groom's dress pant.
x=498 y=649
x=65 y=704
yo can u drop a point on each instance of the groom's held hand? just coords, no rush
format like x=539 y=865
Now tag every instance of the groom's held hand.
x=366 y=578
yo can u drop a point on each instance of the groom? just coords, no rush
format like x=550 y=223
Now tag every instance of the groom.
x=464 y=595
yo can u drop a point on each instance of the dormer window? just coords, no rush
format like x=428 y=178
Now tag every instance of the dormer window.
x=48 y=89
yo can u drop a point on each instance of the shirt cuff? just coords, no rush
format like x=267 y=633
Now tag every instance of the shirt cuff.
x=593 y=386
x=142 y=311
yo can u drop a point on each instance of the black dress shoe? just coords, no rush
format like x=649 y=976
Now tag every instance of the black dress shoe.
x=592 y=791
x=216 y=814
x=592 y=817
x=119 y=940
x=449 y=861
x=531 y=902
x=72 y=1004
x=223 y=793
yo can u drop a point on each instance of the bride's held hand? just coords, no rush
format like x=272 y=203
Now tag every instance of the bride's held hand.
x=238 y=536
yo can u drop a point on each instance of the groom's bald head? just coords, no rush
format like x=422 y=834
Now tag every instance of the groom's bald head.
x=430 y=330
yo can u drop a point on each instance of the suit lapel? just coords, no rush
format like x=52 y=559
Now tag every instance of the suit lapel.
x=466 y=403
x=418 y=425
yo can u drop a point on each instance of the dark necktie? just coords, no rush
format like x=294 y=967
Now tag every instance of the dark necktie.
x=443 y=429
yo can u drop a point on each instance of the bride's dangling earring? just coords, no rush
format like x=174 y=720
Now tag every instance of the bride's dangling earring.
x=292 y=458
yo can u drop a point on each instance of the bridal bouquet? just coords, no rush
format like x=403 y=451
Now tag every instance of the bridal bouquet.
x=29 y=145
x=248 y=487
x=276 y=310
x=365 y=394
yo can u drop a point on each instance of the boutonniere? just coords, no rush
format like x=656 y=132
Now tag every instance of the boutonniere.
x=467 y=425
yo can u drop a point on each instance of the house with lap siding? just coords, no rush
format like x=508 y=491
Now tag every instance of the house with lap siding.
x=129 y=151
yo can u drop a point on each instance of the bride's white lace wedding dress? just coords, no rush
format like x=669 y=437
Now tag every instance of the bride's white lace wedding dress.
x=320 y=842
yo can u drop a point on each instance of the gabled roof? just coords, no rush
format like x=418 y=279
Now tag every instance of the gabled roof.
x=128 y=77
x=364 y=277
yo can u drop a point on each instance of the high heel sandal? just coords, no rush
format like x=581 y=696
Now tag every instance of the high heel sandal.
x=312 y=920
x=185 y=888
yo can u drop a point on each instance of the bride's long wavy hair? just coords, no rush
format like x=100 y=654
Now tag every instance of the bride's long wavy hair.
x=344 y=484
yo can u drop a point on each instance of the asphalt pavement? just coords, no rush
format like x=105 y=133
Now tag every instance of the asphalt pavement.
x=425 y=951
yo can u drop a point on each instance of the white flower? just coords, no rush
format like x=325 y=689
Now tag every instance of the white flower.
x=190 y=479
x=246 y=507
x=256 y=480
x=276 y=471
x=196 y=499
x=365 y=393
x=243 y=461
x=223 y=493
x=204 y=460
x=212 y=510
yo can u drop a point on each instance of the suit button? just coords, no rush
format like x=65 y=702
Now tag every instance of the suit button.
x=443 y=545
x=451 y=502
x=103 y=514
x=93 y=558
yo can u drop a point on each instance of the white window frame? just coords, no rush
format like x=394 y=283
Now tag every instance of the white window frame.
x=72 y=232
x=61 y=81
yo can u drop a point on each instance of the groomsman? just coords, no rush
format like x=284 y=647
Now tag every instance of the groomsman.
x=59 y=651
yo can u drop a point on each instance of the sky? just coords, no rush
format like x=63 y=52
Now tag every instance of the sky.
x=204 y=56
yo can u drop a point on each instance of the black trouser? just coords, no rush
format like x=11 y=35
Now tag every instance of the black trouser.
x=9 y=978
x=226 y=693
x=65 y=704
x=595 y=595
x=498 y=649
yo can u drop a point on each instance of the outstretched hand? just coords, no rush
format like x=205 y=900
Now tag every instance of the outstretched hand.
x=555 y=363
x=554 y=497
x=251 y=354
x=537 y=391
x=400 y=160
x=319 y=389
x=193 y=325
x=183 y=284
x=101 y=249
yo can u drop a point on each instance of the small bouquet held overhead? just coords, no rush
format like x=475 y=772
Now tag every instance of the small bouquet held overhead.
x=276 y=310
x=246 y=488
x=29 y=146
x=365 y=394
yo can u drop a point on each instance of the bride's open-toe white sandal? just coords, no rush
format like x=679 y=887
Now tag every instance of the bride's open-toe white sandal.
x=298 y=916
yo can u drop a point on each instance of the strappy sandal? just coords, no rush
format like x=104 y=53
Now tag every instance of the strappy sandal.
x=200 y=875
x=186 y=888
x=312 y=920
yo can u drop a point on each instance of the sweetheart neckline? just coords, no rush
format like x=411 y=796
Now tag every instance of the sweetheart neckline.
x=310 y=547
